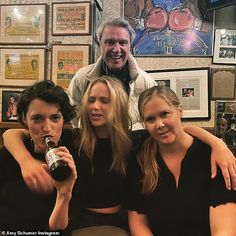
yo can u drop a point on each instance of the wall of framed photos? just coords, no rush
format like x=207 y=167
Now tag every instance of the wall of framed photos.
x=40 y=40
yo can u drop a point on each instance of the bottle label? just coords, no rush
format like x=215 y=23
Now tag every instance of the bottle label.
x=52 y=157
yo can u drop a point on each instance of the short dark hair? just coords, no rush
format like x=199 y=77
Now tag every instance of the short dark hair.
x=48 y=92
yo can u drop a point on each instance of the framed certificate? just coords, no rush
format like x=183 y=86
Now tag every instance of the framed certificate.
x=72 y=18
x=21 y=66
x=23 y=24
x=67 y=59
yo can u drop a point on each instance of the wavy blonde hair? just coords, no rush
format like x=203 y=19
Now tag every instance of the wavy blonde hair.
x=148 y=153
x=117 y=124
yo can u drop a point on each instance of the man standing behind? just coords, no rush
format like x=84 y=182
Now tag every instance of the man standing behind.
x=115 y=38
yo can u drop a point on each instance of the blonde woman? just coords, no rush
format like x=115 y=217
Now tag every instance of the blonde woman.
x=171 y=191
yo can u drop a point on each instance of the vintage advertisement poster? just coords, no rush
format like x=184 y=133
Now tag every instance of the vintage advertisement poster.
x=23 y=24
x=66 y=61
x=71 y=18
x=21 y=66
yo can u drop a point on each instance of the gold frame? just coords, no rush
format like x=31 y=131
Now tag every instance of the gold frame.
x=66 y=60
x=73 y=18
x=21 y=66
x=23 y=24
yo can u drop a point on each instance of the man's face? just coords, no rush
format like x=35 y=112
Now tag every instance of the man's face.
x=115 y=47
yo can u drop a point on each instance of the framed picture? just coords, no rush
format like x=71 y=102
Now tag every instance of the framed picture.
x=21 y=66
x=67 y=60
x=226 y=123
x=225 y=46
x=73 y=18
x=170 y=28
x=223 y=82
x=9 y=98
x=23 y=24
x=191 y=87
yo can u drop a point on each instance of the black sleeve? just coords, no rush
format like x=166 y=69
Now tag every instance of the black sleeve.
x=218 y=192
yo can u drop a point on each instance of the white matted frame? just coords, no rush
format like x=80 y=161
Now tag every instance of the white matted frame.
x=73 y=18
x=191 y=87
x=23 y=24
x=66 y=60
x=223 y=82
x=21 y=66
x=225 y=46
x=9 y=98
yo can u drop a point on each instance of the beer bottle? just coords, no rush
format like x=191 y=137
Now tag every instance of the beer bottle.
x=58 y=168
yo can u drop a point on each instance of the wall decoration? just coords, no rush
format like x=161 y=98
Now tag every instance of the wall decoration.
x=169 y=28
x=72 y=18
x=21 y=66
x=225 y=46
x=9 y=98
x=191 y=87
x=223 y=82
x=66 y=60
x=23 y=24
x=226 y=123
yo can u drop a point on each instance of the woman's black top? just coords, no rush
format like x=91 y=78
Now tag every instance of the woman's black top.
x=182 y=210
x=20 y=208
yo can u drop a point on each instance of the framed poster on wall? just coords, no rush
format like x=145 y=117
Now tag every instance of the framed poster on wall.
x=73 y=18
x=66 y=60
x=9 y=100
x=23 y=24
x=169 y=28
x=191 y=87
x=21 y=66
x=225 y=46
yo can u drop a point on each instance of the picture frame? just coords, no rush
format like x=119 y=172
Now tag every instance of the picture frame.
x=192 y=88
x=23 y=24
x=72 y=18
x=176 y=28
x=9 y=99
x=21 y=66
x=66 y=60
x=226 y=123
x=225 y=46
x=223 y=82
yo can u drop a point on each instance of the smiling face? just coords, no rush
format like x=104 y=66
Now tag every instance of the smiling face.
x=99 y=107
x=43 y=119
x=115 y=47
x=162 y=120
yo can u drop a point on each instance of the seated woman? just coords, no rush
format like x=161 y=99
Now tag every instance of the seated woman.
x=103 y=145
x=43 y=109
x=169 y=184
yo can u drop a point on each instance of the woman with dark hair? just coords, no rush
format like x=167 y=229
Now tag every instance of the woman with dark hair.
x=43 y=108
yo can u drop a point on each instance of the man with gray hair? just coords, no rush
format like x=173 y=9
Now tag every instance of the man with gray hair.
x=115 y=37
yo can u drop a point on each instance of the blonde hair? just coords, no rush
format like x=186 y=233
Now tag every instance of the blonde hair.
x=148 y=153
x=117 y=124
